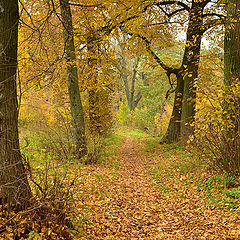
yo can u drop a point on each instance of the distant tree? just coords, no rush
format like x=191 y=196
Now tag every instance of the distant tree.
x=14 y=187
x=128 y=72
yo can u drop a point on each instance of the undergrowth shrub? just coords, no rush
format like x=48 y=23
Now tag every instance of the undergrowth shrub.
x=49 y=213
x=217 y=127
x=50 y=160
x=222 y=190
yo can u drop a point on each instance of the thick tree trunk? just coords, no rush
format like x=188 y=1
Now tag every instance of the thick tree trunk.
x=124 y=76
x=232 y=43
x=14 y=187
x=72 y=78
x=231 y=78
x=189 y=67
x=180 y=125
x=173 y=130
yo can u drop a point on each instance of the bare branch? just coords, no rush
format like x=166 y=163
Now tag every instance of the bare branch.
x=168 y=69
x=169 y=15
x=178 y=3
x=212 y=23
x=220 y=16
x=205 y=3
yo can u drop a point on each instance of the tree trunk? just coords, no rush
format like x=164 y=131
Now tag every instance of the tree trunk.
x=183 y=113
x=72 y=78
x=189 y=68
x=173 y=130
x=133 y=80
x=14 y=187
x=94 y=88
x=124 y=76
x=232 y=43
x=231 y=78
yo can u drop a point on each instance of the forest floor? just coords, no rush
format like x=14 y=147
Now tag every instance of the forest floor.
x=149 y=193
x=139 y=189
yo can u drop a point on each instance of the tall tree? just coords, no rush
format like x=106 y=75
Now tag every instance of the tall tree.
x=72 y=78
x=232 y=80
x=14 y=187
x=180 y=125
x=232 y=43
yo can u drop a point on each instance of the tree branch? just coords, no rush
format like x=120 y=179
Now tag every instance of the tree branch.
x=221 y=16
x=168 y=69
x=83 y=5
x=210 y=24
x=205 y=3
x=181 y=4
x=169 y=15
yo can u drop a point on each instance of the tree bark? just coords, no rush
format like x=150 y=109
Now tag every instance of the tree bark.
x=232 y=43
x=231 y=78
x=133 y=80
x=183 y=112
x=173 y=130
x=72 y=78
x=94 y=89
x=14 y=187
x=189 y=68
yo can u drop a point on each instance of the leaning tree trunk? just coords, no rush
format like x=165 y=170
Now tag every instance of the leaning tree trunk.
x=231 y=80
x=14 y=187
x=72 y=78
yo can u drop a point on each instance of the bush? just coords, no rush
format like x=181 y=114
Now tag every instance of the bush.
x=217 y=132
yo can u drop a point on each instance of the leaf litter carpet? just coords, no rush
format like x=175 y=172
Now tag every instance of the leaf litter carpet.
x=126 y=204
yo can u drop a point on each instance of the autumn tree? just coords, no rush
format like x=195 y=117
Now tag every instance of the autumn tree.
x=127 y=68
x=232 y=43
x=199 y=21
x=73 y=81
x=231 y=149
x=14 y=186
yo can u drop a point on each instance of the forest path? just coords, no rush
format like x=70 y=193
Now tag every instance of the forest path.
x=132 y=208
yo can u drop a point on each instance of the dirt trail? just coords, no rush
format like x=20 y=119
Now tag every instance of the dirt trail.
x=133 y=209
x=136 y=195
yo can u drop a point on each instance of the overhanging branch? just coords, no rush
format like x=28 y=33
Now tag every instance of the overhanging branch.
x=169 y=70
x=178 y=3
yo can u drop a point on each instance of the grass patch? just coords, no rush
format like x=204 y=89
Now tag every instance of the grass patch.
x=152 y=144
x=177 y=166
x=114 y=139
x=222 y=191
x=161 y=175
x=110 y=150
x=134 y=133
